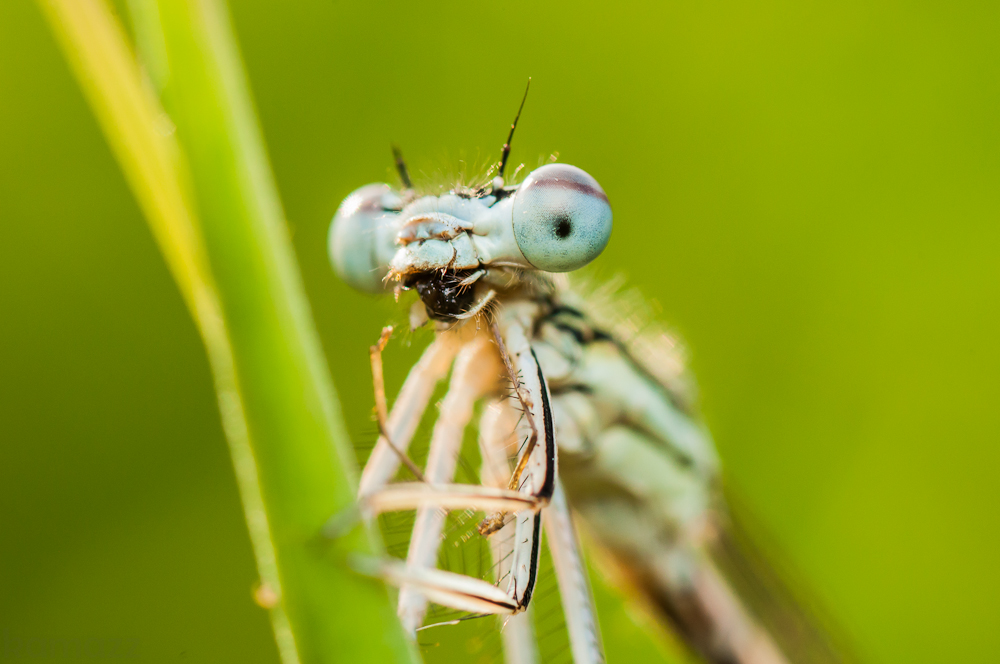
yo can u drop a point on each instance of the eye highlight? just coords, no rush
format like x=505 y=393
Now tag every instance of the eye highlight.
x=561 y=217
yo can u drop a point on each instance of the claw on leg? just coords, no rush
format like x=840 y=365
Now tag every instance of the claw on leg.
x=381 y=410
x=536 y=467
x=416 y=495
x=473 y=376
x=407 y=411
x=516 y=502
x=446 y=588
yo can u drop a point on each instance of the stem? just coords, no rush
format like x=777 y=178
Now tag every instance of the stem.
x=207 y=193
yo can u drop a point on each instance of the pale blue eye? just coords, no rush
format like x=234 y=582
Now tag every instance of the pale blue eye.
x=357 y=234
x=562 y=219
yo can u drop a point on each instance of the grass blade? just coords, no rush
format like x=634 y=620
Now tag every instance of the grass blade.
x=207 y=193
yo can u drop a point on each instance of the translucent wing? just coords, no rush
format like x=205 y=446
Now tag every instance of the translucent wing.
x=705 y=576
x=774 y=593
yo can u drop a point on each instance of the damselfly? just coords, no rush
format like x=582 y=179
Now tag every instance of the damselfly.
x=599 y=421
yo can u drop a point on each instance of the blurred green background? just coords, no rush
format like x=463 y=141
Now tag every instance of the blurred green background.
x=810 y=192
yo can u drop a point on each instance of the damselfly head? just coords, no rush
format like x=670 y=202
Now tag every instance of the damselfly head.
x=457 y=248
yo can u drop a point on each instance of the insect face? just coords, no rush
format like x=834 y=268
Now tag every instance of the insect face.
x=452 y=247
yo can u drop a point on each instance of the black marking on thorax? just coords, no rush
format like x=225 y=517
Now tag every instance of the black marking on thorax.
x=574 y=322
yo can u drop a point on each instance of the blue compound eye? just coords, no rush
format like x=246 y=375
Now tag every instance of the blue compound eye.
x=362 y=225
x=562 y=219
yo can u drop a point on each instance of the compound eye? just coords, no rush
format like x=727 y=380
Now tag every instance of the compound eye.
x=562 y=219
x=358 y=230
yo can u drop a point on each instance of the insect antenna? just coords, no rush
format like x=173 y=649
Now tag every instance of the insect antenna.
x=404 y=175
x=506 y=146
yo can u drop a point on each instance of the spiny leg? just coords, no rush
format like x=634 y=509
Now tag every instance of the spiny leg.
x=403 y=496
x=400 y=424
x=498 y=441
x=531 y=484
x=475 y=374
x=442 y=587
x=448 y=588
x=534 y=480
x=375 y=352
x=574 y=587
x=457 y=591
x=536 y=467
x=406 y=412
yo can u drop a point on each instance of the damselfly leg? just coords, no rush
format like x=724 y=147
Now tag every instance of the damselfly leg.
x=518 y=482
x=638 y=465
x=409 y=407
x=498 y=442
x=476 y=373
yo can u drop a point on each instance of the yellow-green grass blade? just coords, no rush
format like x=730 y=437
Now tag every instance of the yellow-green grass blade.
x=207 y=193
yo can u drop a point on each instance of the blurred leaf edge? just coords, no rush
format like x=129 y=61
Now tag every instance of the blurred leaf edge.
x=311 y=619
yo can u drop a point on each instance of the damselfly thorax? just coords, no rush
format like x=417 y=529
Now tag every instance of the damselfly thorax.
x=580 y=413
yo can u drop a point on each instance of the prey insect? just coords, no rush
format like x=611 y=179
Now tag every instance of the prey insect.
x=604 y=426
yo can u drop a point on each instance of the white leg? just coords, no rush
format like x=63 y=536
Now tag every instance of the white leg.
x=476 y=373
x=407 y=411
x=574 y=587
x=518 y=636
x=498 y=442
x=497 y=434
x=528 y=490
x=535 y=473
x=417 y=495
x=536 y=469
x=516 y=631
x=457 y=591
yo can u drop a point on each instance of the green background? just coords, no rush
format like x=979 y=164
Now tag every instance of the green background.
x=808 y=190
